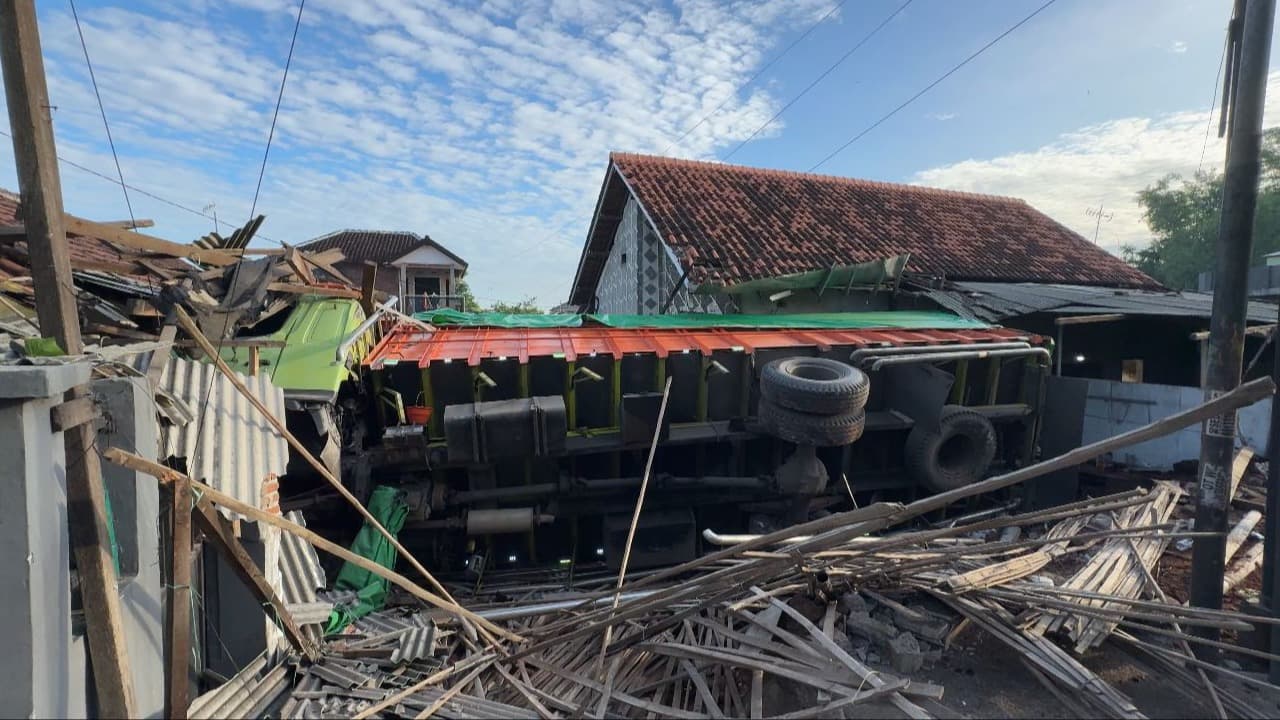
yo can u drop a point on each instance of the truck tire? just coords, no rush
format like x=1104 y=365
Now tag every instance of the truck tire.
x=957 y=454
x=805 y=429
x=815 y=385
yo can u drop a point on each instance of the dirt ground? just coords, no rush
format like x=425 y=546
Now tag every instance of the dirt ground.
x=985 y=679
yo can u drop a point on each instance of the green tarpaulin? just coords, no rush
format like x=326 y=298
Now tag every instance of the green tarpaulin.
x=388 y=506
x=900 y=319
x=836 y=278
x=897 y=319
x=448 y=316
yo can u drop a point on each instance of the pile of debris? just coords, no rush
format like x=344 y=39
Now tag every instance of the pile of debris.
x=800 y=623
x=123 y=279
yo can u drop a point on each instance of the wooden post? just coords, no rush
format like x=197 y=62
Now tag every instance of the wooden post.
x=217 y=530
x=37 y=166
x=177 y=638
x=368 y=287
x=255 y=359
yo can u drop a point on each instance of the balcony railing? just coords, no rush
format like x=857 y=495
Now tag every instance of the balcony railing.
x=421 y=303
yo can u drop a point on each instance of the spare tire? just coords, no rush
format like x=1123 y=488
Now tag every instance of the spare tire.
x=954 y=455
x=815 y=385
x=805 y=429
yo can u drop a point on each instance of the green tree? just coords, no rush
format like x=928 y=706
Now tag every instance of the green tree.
x=469 y=303
x=527 y=306
x=1183 y=216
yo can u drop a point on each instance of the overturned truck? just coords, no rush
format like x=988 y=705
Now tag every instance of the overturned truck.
x=522 y=441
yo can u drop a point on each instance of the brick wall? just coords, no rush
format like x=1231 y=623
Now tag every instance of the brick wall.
x=271 y=495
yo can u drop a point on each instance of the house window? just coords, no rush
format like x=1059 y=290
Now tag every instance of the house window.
x=624 y=258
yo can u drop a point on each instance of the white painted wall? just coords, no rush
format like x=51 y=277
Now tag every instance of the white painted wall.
x=1114 y=407
x=426 y=255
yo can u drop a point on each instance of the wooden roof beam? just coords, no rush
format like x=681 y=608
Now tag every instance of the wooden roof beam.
x=149 y=243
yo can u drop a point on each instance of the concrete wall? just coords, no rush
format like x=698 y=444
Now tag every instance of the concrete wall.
x=641 y=270
x=619 y=288
x=46 y=664
x=1115 y=407
x=35 y=583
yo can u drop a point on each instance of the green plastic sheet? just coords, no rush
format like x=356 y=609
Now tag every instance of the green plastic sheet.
x=896 y=319
x=388 y=506
x=448 y=316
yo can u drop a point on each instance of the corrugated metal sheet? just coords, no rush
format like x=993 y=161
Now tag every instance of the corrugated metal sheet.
x=995 y=302
x=381 y=623
x=234 y=449
x=473 y=344
x=300 y=567
x=415 y=644
x=222 y=701
x=313 y=613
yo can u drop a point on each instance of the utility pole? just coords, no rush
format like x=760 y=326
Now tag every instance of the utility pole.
x=1250 y=35
x=37 y=165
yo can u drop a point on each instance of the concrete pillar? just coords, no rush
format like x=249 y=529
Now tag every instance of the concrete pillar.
x=35 y=584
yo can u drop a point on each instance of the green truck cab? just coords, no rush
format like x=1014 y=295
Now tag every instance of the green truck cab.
x=311 y=357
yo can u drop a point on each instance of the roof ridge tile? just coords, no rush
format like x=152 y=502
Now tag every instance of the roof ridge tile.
x=837 y=179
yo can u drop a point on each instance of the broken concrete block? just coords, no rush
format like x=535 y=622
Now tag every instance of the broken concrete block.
x=863 y=625
x=904 y=653
x=923 y=626
x=852 y=601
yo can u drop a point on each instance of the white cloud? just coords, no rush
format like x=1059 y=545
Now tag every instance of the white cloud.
x=1178 y=46
x=942 y=116
x=486 y=126
x=1106 y=163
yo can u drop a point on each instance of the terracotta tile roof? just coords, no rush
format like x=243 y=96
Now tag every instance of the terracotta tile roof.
x=378 y=246
x=82 y=247
x=736 y=223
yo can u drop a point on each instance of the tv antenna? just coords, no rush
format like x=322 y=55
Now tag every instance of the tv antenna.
x=1101 y=215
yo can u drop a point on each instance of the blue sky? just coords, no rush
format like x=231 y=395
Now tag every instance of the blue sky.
x=488 y=124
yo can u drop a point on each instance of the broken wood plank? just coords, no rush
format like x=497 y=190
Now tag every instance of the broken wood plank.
x=73 y=413
x=1250 y=561
x=297 y=289
x=177 y=637
x=139 y=241
x=1239 y=465
x=1240 y=533
x=299 y=266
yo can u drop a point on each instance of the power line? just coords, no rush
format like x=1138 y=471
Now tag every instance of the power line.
x=102 y=109
x=276 y=114
x=930 y=86
x=1213 y=102
x=222 y=336
x=146 y=193
x=755 y=76
x=819 y=79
